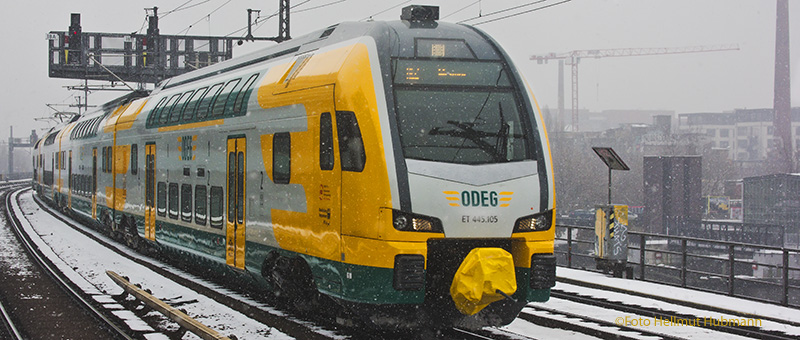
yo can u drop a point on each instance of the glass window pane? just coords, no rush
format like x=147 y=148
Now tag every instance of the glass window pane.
x=222 y=100
x=326 y=159
x=134 y=159
x=163 y=117
x=162 y=199
x=186 y=202
x=194 y=102
x=177 y=109
x=466 y=126
x=208 y=98
x=173 y=201
x=216 y=206
x=231 y=185
x=240 y=107
x=240 y=187
x=281 y=158
x=200 y=203
x=351 y=147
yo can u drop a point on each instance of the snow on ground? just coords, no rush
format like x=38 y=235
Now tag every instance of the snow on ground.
x=740 y=305
x=526 y=329
x=634 y=321
x=666 y=306
x=86 y=261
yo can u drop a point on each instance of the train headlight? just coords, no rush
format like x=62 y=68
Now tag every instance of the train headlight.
x=404 y=221
x=538 y=222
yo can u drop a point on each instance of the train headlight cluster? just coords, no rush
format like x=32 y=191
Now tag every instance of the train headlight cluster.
x=404 y=221
x=538 y=222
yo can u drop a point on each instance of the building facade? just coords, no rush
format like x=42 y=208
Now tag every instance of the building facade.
x=748 y=135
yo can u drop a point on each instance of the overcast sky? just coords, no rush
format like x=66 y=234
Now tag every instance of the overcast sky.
x=700 y=82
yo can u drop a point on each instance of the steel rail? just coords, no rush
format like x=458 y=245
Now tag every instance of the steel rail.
x=54 y=273
x=667 y=315
x=289 y=327
x=9 y=324
x=577 y=327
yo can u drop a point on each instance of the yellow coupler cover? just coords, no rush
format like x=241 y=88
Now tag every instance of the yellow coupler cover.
x=483 y=272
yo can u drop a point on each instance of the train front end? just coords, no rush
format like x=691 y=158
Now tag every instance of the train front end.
x=474 y=176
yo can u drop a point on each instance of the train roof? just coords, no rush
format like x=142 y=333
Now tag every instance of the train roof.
x=392 y=34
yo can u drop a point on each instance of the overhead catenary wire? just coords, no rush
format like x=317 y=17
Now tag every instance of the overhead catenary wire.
x=386 y=10
x=461 y=9
x=520 y=13
x=320 y=6
x=205 y=17
x=180 y=8
x=481 y=15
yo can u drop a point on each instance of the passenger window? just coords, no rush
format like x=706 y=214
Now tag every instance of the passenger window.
x=134 y=159
x=208 y=99
x=186 y=202
x=221 y=100
x=162 y=199
x=240 y=106
x=163 y=116
x=216 y=207
x=151 y=119
x=326 y=159
x=110 y=159
x=351 y=146
x=191 y=107
x=281 y=158
x=200 y=204
x=177 y=109
x=173 y=201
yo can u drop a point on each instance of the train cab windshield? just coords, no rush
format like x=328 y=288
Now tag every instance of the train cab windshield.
x=464 y=112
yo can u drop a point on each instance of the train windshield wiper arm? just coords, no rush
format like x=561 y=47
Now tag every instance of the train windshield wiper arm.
x=465 y=130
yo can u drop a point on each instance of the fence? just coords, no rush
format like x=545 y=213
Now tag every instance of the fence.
x=756 y=272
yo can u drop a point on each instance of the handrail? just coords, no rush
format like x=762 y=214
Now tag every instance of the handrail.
x=679 y=248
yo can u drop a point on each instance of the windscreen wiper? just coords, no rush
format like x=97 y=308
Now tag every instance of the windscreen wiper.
x=466 y=131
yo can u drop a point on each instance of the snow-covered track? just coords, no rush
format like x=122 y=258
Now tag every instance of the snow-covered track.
x=89 y=305
x=660 y=314
x=251 y=307
x=9 y=329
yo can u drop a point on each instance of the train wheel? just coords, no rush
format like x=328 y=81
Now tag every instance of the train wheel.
x=291 y=278
x=131 y=234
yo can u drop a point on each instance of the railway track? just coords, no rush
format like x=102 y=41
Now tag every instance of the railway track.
x=254 y=307
x=9 y=328
x=260 y=308
x=276 y=316
x=50 y=287
x=661 y=314
x=606 y=318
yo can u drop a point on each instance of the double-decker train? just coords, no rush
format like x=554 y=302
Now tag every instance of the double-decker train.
x=400 y=168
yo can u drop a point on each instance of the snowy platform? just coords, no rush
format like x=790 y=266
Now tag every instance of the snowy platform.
x=569 y=278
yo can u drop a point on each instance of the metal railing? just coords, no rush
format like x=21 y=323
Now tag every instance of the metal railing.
x=751 y=271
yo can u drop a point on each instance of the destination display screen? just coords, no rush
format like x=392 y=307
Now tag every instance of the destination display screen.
x=446 y=72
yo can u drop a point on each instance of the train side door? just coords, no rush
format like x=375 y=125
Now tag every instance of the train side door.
x=150 y=192
x=94 y=183
x=69 y=181
x=236 y=176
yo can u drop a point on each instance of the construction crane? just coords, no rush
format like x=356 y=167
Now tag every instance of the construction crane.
x=573 y=58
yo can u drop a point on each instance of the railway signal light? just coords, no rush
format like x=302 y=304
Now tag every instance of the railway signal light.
x=72 y=41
